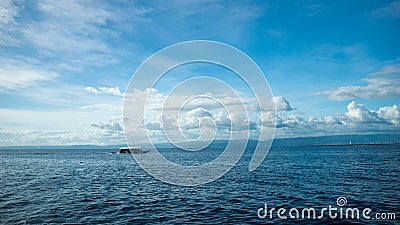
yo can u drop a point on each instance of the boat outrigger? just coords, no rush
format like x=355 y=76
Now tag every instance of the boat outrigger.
x=132 y=150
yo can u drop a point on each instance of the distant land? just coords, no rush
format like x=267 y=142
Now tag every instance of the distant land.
x=278 y=142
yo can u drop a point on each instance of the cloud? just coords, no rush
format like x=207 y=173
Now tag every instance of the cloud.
x=111 y=125
x=191 y=13
x=390 y=113
x=43 y=137
x=105 y=90
x=357 y=119
x=69 y=26
x=111 y=129
x=391 y=10
x=358 y=113
x=154 y=126
x=281 y=104
x=9 y=11
x=380 y=85
x=101 y=108
x=69 y=34
x=314 y=9
x=325 y=120
x=16 y=74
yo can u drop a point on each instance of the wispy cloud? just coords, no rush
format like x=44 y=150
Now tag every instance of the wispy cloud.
x=381 y=84
x=9 y=11
x=390 y=10
x=15 y=74
x=72 y=30
x=314 y=9
x=75 y=34
x=102 y=108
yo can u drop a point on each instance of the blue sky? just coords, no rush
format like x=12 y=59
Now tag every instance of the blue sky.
x=333 y=66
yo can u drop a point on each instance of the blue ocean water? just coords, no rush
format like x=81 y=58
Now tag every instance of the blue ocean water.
x=95 y=187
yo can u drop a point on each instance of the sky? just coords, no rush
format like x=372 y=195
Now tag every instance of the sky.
x=333 y=66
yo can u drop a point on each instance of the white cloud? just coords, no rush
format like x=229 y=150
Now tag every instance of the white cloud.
x=45 y=137
x=388 y=70
x=192 y=118
x=105 y=90
x=325 y=120
x=102 y=108
x=192 y=123
x=202 y=116
x=98 y=133
x=8 y=12
x=390 y=113
x=357 y=119
x=281 y=104
x=359 y=113
x=381 y=84
x=69 y=26
x=69 y=34
x=18 y=74
x=111 y=126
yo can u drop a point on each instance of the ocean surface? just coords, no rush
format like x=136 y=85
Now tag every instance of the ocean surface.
x=92 y=186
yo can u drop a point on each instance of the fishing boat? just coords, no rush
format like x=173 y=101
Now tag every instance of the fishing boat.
x=132 y=150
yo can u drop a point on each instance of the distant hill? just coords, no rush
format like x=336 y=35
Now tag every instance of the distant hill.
x=339 y=139
x=300 y=141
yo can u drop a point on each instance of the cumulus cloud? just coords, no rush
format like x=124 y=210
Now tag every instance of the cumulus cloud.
x=111 y=125
x=160 y=106
x=357 y=119
x=109 y=129
x=192 y=118
x=154 y=126
x=281 y=104
x=325 y=120
x=359 y=113
x=390 y=113
x=105 y=90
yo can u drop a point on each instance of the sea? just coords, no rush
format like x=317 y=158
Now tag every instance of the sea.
x=95 y=186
